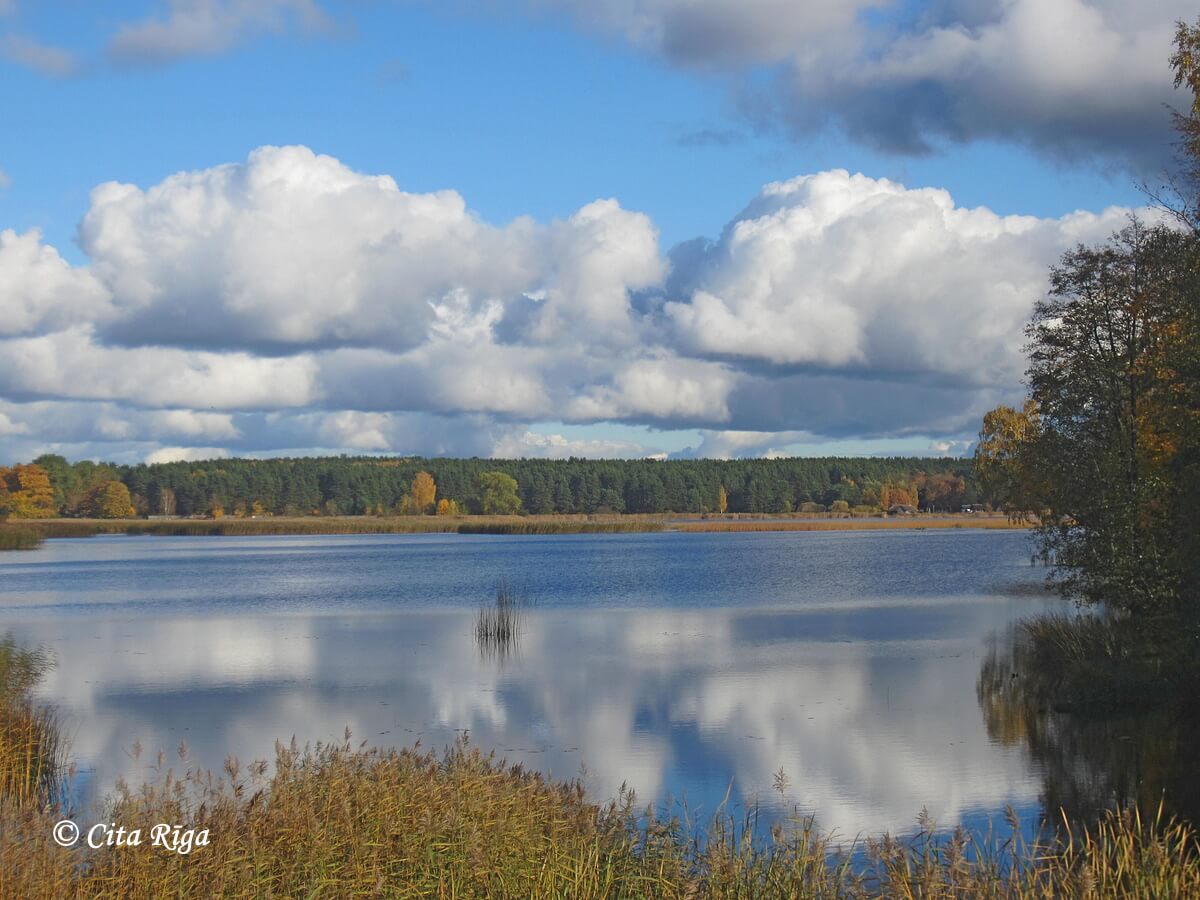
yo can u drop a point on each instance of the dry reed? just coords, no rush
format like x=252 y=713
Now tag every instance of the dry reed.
x=340 y=820
x=19 y=537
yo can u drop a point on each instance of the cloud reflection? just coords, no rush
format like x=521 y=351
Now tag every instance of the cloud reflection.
x=869 y=709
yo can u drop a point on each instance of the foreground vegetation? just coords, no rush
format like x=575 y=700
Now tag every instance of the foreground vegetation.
x=344 y=820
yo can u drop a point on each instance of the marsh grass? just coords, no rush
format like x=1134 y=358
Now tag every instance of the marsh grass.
x=19 y=537
x=1099 y=662
x=849 y=523
x=75 y=528
x=33 y=753
x=497 y=525
x=346 y=820
x=340 y=820
x=562 y=526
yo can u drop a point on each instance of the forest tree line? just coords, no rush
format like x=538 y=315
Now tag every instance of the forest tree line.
x=52 y=486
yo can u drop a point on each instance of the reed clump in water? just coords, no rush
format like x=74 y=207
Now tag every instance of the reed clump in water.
x=498 y=626
x=19 y=537
x=33 y=753
x=1104 y=662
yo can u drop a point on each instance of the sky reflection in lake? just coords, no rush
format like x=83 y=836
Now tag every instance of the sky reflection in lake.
x=858 y=681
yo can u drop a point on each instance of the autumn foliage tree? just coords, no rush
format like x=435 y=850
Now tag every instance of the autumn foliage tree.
x=26 y=493
x=424 y=492
x=897 y=495
x=110 y=500
x=1003 y=465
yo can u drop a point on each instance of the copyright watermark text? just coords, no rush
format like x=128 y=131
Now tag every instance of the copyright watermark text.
x=172 y=838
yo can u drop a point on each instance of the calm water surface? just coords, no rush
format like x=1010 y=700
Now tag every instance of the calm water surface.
x=686 y=665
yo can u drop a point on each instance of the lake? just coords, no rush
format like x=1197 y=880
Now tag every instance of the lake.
x=689 y=666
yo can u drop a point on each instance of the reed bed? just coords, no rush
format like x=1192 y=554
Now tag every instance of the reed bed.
x=74 y=528
x=19 y=537
x=849 y=523
x=340 y=820
x=559 y=526
x=346 y=820
x=496 y=525
x=33 y=753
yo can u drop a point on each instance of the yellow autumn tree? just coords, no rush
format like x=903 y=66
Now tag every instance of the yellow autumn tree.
x=896 y=495
x=722 y=500
x=447 y=507
x=26 y=492
x=114 y=501
x=424 y=492
x=1002 y=457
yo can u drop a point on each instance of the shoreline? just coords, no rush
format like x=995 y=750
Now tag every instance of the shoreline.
x=514 y=525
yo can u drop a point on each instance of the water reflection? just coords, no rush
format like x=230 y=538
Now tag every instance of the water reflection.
x=1090 y=762
x=869 y=711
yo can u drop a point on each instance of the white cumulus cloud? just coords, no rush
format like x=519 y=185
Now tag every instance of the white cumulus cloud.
x=848 y=272
x=40 y=291
x=290 y=304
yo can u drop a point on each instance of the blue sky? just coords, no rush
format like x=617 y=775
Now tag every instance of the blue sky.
x=808 y=328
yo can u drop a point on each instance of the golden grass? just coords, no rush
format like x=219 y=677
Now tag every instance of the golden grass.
x=343 y=821
x=339 y=820
x=500 y=525
x=32 y=749
x=848 y=523
x=19 y=537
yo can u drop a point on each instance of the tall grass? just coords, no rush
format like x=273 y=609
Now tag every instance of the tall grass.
x=17 y=537
x=855 y=523
x=1103 y=662
x=340 y=820
x=497 y=525
x=559 y=526
x=346 y=820
x=32 y=750
x=56 y=528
